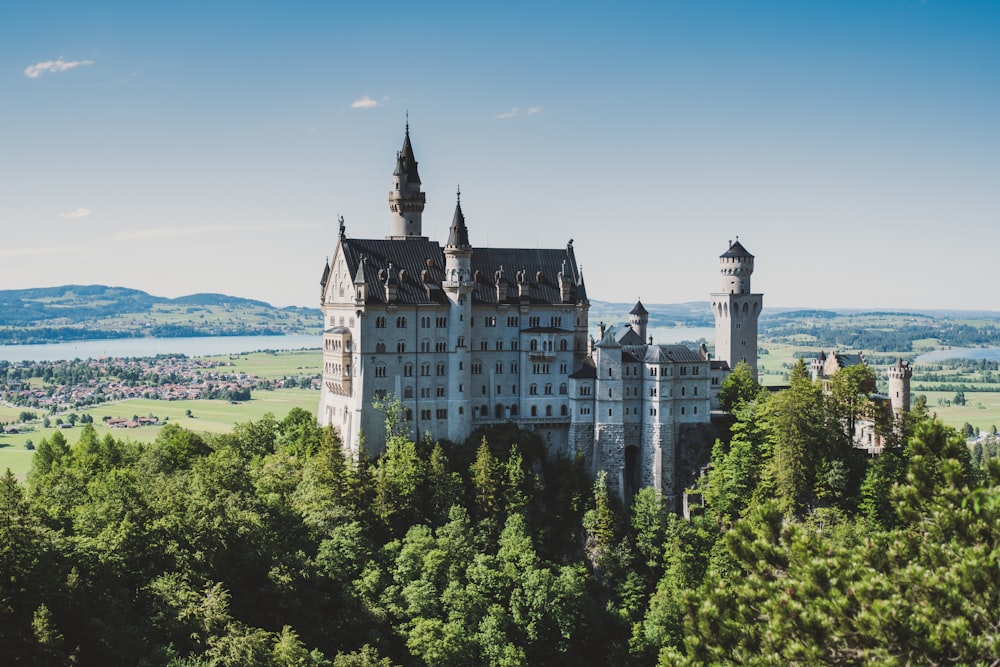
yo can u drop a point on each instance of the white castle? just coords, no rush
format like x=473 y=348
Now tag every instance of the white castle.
x=468 y=337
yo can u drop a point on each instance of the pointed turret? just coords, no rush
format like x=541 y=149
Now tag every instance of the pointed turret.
x=406 y=201
x=458 y=250
x=458 y=237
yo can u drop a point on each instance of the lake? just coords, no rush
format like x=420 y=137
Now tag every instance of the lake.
x=198 y=346
x=205 y=346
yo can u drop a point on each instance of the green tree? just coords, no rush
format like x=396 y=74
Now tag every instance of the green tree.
x=486 y=482
x=796 y=435
x=739 y=387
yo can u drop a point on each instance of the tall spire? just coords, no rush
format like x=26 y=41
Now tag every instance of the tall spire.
x=406 y=201
x=458 y=237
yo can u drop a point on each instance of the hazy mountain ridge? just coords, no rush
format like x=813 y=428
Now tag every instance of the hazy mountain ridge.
x=79 y=312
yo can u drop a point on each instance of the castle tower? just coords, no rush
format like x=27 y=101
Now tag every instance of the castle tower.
x=736 y=309
x=406 y=201
x=899 y=387
x=458 y=287
x=638 y=318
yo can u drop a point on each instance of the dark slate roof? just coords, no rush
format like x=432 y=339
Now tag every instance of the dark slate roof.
x=639 y=309
x=682 y=354
x=337 y=330
x=409 y=259
x=736 y=250
x=407 y=161
x=539 y=268
x=845 y=360
x=459 y=235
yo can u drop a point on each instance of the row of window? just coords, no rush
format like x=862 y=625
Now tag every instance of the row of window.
x=514 y=321
x=441 y=322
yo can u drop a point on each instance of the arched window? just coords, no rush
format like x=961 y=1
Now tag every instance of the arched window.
x=400 y=347
x=564 y=411
x=407 y=392
x=498 y=411
x=548 y=410
x=534 y=410
x=513 y=410
x=563 y=345
x=380 y=346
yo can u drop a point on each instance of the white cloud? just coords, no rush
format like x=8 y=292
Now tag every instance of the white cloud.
x=60 y=65
x=364 y=102
x=515 y=112
x=78 y=213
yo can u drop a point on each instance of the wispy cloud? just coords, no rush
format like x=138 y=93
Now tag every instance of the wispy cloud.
x=206 y=230
x=365 y=102
x=78 y=213
x=59 y=65
x=515 y=112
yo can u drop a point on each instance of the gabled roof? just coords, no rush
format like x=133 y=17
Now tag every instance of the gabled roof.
x=629 y=337
x=608 y=340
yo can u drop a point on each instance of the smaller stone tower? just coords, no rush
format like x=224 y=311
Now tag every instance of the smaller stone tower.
x=899 y=388
x=406 y=201
x=638 y=318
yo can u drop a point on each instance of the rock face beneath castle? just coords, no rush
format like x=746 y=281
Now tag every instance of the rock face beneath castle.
x=467 y=337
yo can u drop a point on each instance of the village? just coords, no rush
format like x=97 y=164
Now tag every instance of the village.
x=60 y=386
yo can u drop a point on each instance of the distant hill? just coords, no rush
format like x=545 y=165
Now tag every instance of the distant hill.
x=82 y=312
x=91 y=312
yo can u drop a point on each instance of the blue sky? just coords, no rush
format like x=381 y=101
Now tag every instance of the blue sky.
x=854 y=147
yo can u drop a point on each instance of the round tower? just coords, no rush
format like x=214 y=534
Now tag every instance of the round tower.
x=899 y=387
x=638 y=318
x=406 y=201
x=736 y=268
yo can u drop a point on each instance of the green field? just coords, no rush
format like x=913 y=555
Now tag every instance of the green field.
x=212 y=416
x=982 y=408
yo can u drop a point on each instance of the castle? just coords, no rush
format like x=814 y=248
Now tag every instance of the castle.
x=468 y=337
x=895 y=403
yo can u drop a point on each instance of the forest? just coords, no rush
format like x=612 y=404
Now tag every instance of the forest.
x=264 y=546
